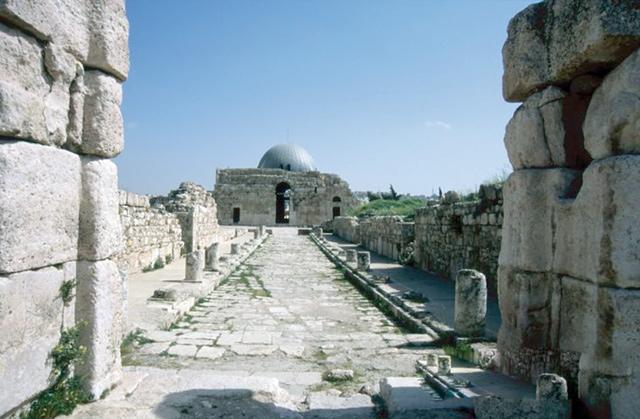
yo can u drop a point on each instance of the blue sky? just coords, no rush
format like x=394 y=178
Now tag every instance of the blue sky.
x=402 y=92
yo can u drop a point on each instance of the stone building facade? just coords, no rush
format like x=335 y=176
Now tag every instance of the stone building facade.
x=62 y=65
x=569 y=268
x=288 y=190
x=461 y=235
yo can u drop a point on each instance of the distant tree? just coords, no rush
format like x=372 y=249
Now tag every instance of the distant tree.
x=373 y=196
x=440 y=193
x=393 y=194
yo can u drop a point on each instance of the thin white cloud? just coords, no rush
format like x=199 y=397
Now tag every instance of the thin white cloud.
x=437 y=124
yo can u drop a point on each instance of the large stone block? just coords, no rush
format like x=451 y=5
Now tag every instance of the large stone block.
x=94 y=31
x=534 y=137
x=99 y=306
x=578 y=314
x=530 y=199
x=612 y=124
x=31 y=315
x=100 y=229
x=23 y=84
x=598 y=234
x=610 y=369
x=39 y=206
x=555 y=41
x=103 y=129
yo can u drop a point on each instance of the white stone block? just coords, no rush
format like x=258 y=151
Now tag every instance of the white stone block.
x=534 y=137
x=96 y=32
x=103 y=130
x=612 y=123
x=553 y=42
x=100 y=230
x=598 y=233
x=578 y=314
x=530 y=198
x=31 y=314
x=39 y=206
x=100 y=318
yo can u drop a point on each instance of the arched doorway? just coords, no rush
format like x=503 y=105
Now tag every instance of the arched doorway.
x=336 y=206
x=283 y=205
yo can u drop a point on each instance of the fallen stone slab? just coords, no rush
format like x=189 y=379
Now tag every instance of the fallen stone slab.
x=325 y=405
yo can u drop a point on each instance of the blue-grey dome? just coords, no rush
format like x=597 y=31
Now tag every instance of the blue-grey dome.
x=287 y=157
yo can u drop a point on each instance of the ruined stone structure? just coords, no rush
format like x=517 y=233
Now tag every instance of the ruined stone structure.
x=284 y=190
x=443 y=239
x=569 y=274
x=62 y=64
x=150 y=234
x=160 y=229
x=461 y=235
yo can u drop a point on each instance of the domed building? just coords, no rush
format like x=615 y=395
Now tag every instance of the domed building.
x=285 y=189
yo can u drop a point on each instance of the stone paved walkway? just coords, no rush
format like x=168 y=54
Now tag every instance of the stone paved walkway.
x=287 y=313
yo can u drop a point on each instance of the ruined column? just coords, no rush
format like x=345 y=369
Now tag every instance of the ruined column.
x=194 y=266
x=364 y=261
x=470 y=303
x=263 y=231
x=235 y=248
x=444 y=364
x=351 y=255
x=212 y=257
x=256 y=234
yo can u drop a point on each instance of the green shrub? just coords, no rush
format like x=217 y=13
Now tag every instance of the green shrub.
x=404 y=207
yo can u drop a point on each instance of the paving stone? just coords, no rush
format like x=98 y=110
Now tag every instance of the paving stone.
x=183 y=350
x=160 y=336
x=210 y=352
x=155 y=348
x=242 y=349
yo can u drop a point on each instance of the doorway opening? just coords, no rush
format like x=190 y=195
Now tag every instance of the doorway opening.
x=283 y=203
x=236 y=215
x=336 y=206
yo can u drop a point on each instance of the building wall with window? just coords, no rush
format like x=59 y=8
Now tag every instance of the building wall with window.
x=279 y=197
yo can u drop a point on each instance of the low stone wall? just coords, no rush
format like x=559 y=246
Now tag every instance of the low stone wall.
x=150 y=234
x=346 y=228
x=463 y=235
x=387 y=236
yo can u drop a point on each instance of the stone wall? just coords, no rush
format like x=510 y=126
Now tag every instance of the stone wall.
x=253 y=192
x=62 y=64
x=569 y=275
x=346 y=228
x=386 y=235
x=461 y=235
x=150 y=234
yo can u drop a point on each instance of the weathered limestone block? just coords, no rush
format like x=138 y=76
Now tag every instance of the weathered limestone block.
x=212 y=256
x=99 y=298
x=194 y=266
x=530 y=199
x=351 y=255
x=609 y=379
x=39 y=206
x=96 y=32
x=578 y=311
x=527 y=307
x=235 y=248
x=444 y=364
x=555 y=41
x=598 y=232
x=535 y=136
x=103 y=128
x=31 y=314
x=100 y=230
x=612 y=124
x=470 y=303
x=364 y=261
x=34 y=88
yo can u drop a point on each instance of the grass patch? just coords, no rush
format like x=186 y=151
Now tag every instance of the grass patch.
x=404 y=207
x=132 y=341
